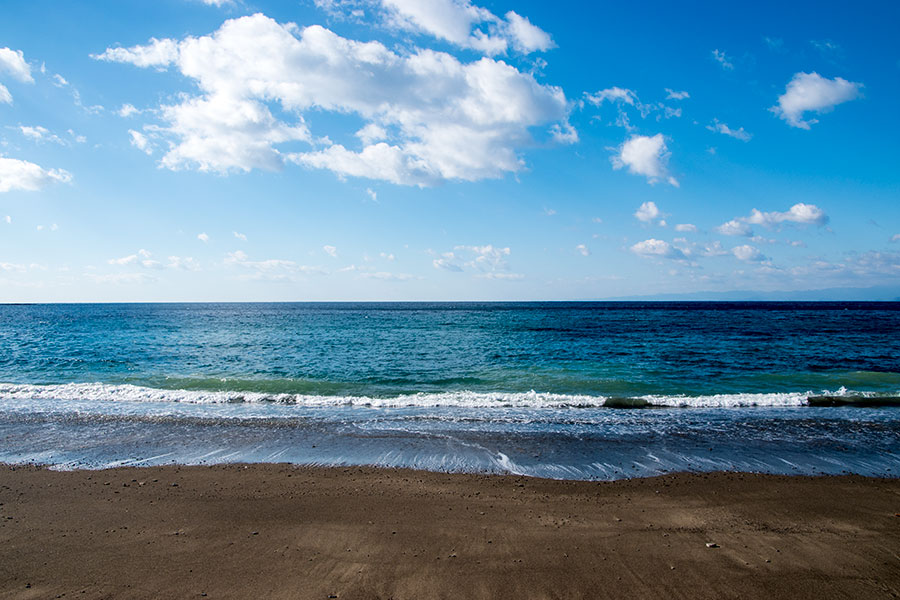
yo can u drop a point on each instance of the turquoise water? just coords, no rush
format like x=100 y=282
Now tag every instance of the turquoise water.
x=524 y=388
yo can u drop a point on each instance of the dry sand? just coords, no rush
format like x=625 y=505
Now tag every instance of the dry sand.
x=277 y=531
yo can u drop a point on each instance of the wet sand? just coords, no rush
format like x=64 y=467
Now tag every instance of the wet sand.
x=278 y=531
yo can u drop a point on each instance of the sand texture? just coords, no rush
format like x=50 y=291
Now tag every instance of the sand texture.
x=277 y=531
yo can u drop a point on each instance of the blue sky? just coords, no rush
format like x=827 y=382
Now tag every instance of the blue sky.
x=445 y=149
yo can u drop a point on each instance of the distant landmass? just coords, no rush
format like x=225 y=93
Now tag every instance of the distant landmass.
x=875 y=294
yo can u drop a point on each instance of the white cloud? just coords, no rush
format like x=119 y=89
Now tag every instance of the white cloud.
x=447 y=120
x=203 y=237
x=613 y=94
x=645 y=155
x=127 y=110
x=526 y=37
x=447 y=262
x=330 y=251
x=466 y=25
x=5 y=96
x=800 y=213
x=387 y=256
x=747 y=253
x=18 y=174
x=812 y=92
x=59 y=81
x=371 y=133
x=185 y=263
x=480 y=259
x=582 y=250
x=372 y=195
x=79 y=139
x=13 y=267
x=807 y=214
x=894 y=238
x=735 y=227
x=40 y=134
x=654 y=248
x=141 y=258
x=564 y=133
x=739 y=134
x=158 y=53
x=673 y=95
x=8 y=219
x=686 y=228
x=13 y=62
x=140 y=141
x=647 y=212
x=272 y=269
x=723 y=59
x=240 y=236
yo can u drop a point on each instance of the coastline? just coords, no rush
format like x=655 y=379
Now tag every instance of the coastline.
x=282 y=531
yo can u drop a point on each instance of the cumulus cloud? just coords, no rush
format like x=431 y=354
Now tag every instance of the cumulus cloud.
x=185 y=263
x=466 y=25
x=272 y=269
x=810 y=92
x=613 y=94
x=128 y=110
x=723 y=59
x=647 y=212
x=673 y=95
x=735 y=227
x=40 y=134
x=645 y=155
x=623 y=97
x=330 y=251
x=488 y=261
x=158 y=53
x=203 y=237
x=807 y=214
x=441 y=119
x=654 y=248
x=526 y=37
x=686 y=228
x=13 y=63
x=800 y=213
x=140 y=258
x=140 y=141
x=22 y=175
x=5 y=96
x=738 y=134
x=747 y=253
x=582 y=250
x=240 y=236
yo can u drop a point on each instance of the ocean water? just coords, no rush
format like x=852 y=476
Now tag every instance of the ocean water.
x=563 y=390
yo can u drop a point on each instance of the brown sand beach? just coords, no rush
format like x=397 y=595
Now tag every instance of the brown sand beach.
x=278 y=531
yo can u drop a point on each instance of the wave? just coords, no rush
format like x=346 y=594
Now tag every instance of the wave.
x=101 y=392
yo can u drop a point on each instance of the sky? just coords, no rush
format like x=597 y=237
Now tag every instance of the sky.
x=318 y=150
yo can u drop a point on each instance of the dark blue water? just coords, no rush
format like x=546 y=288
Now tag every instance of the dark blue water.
x=463 y=386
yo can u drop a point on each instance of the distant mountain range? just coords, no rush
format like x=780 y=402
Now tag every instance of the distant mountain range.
x=879 y=293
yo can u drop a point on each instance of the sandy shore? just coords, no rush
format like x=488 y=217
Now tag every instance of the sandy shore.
x=278 y=531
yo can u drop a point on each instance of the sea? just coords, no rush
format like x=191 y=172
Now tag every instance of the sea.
x=573 y=390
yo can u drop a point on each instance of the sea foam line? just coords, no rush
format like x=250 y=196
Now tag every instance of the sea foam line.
x=101 y=392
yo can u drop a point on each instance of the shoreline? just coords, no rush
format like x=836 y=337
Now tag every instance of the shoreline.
x=284 y=531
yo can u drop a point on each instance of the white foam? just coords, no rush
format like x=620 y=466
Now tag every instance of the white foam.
x=101 y=392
